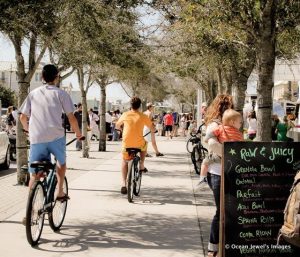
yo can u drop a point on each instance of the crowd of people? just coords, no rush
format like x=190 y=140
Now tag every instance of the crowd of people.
x=280 y=126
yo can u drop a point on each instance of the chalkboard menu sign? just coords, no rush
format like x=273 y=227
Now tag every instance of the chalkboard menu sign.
x=255 y=187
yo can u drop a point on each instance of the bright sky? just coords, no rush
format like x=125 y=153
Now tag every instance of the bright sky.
x=113 y=93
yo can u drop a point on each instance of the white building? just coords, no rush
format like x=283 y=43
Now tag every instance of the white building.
x=9 y=79
x=286 y=81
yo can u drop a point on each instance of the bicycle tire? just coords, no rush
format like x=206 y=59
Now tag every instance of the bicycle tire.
x=130 y=182
x=199 y=153
x=59 y=209
x=138 y=180
x=35 y=213
x=189 y=145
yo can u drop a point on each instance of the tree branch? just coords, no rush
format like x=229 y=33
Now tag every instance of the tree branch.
x=125 y=90
x=37 y=63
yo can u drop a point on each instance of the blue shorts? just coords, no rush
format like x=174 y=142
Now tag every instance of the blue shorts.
x=43 y=151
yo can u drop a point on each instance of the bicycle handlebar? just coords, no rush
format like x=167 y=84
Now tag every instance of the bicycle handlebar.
x=81 y=139
x=143 y=135
x=199 y=131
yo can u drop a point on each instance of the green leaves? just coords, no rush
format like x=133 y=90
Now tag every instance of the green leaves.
x=7 y=97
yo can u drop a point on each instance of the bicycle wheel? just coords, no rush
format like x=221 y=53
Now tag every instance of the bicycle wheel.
x=130 y=182
x=190 y=145
x=59 y=209
x=35 y=213
x=138 y=180
x=199 y=153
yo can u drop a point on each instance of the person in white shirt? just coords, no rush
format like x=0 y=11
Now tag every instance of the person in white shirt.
x=94 y=124
x=108 y=121
x=15 y=113
x=252 y=125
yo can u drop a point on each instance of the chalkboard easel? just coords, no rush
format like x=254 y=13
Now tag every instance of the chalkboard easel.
x=257 y=177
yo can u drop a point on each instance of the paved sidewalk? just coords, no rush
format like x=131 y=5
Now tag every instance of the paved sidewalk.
x=168 y=219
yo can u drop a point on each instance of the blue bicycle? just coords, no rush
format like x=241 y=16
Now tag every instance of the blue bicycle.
x=41 y=201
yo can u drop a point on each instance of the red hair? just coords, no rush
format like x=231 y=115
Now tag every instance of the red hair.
x=218 y=106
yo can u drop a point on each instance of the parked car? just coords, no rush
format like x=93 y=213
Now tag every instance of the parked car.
x=4 y=151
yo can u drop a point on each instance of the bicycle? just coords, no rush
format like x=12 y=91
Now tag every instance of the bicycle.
x=41 y=201
x=134 y=175
x=194 y=139
x=198 y=152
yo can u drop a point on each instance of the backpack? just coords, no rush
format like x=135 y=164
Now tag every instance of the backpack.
x=290 y=231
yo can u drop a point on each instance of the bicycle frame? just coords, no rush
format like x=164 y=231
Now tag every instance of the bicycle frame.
x=48 y=184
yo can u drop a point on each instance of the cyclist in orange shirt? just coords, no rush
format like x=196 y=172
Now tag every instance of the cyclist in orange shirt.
x=133 y=123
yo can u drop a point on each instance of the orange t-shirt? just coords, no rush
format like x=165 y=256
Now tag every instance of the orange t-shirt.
x=228 y=133
x=134 y=123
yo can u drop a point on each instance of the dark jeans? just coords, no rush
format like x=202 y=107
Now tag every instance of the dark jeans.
x=214 y=182
x=251 y=136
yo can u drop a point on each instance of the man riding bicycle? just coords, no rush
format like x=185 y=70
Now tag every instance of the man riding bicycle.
x=133 y=123
x=44 y=107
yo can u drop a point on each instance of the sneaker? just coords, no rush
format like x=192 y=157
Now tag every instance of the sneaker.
x=148 y=155
x=159 y=154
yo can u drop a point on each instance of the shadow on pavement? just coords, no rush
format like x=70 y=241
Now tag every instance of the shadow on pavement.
x=7 y=172
x=94 y=190
x=143 y=232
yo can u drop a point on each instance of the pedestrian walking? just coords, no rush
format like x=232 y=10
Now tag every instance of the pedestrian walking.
x=228 y=131
x=94 y=124
x=15 y=113
x=275 y=121
x=213 y=119
x=78 y=116
x=252 y=125
x=108 y=120
x=114 y=119
x=176 y=123
x=183 y=124
x=282 y=129
x=168 y=121
x=150 y=136
x=189 y=119
x=10 y=120
x=159 y=124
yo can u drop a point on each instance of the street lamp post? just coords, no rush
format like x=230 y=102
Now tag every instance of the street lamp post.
x=10 y=73
x=199 y=105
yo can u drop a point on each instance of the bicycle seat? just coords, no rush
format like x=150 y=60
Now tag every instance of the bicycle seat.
x=133 y=150
x=42 y=164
